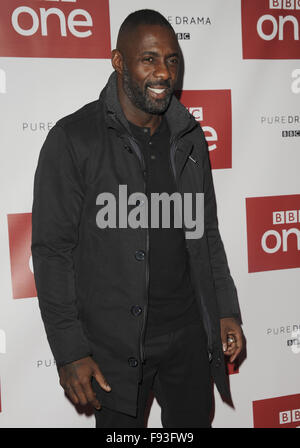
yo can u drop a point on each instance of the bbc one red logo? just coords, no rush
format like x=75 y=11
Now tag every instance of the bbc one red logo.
x=55 y=28
x=278 y=412
x=19 y=234
x=273 y=232
x=212 y=108
x=270 y=29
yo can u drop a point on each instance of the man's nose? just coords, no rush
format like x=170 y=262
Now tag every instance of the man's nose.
x=162 y=71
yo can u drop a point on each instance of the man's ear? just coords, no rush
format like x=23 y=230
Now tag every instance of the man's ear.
x=117 y=61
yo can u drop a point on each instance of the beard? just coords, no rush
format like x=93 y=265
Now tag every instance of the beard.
x=142 y=99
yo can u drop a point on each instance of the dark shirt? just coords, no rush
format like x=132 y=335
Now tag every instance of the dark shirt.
x=172 y=301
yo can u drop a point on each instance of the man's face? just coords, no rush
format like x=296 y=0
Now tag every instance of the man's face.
x=150 y=68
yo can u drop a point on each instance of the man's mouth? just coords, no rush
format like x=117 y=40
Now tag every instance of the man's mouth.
x=157 y=92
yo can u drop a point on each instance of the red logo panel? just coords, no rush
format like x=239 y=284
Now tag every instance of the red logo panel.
x=55 y=29
x=19 y=230
x=212 y=108
x=273 y=232
x=232 y=369
x=279 y=412
x=270 y=29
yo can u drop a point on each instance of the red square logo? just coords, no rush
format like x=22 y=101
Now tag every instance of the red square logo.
x=270 y=29
x=19 y=230
x=273 y=232
x=279 y=412
x=55 y=28
x=212 y=108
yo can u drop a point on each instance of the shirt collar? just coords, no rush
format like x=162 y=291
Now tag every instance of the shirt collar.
x=144 y=132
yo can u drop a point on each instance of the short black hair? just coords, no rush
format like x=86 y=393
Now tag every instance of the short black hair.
x=142 y=17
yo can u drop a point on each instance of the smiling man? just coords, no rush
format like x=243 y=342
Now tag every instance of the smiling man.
x=129 y=310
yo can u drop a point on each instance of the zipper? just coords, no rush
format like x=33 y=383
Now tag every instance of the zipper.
x=192 y=159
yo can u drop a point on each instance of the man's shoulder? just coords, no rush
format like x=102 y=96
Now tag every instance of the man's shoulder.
x=82 y=117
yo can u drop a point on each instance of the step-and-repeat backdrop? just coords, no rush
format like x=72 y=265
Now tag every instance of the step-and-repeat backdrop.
x=242 y=83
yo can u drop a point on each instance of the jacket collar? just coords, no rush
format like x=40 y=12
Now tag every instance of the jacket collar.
x=180 y=121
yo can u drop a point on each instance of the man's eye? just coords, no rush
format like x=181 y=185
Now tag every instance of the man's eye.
x=150 y=59
x=174 y=61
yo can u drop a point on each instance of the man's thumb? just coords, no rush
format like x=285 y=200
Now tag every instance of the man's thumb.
x=102 y=381
x=224 y=340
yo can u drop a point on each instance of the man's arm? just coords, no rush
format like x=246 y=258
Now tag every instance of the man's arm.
x=57 y=205
x=227 y=299
x=225 y=289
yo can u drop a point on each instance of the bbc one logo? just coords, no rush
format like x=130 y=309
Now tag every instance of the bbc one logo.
x=278 y=412
x=55 y=28
x=270 y=29
x=273 y=232
x=212 y=109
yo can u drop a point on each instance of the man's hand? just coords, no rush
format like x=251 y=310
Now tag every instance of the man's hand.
x=75 y=378
x=231 y=334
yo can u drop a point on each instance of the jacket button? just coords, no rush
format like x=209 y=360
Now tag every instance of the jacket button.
x=136 y=310
x=218 y=362
x=133 y=362
x=139 y=255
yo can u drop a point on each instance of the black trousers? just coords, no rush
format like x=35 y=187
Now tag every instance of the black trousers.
x=177 y=371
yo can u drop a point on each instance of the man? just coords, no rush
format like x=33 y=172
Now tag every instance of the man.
x=130 y=309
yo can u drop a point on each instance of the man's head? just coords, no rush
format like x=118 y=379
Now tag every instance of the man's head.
x=146 y=60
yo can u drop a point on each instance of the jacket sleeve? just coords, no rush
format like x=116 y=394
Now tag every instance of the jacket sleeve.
x=227 y=298
x=57 y=203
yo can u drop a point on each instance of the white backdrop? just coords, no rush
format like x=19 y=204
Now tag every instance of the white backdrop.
x=36 y=91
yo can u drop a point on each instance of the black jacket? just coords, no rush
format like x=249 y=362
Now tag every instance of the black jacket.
x=89 y=280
